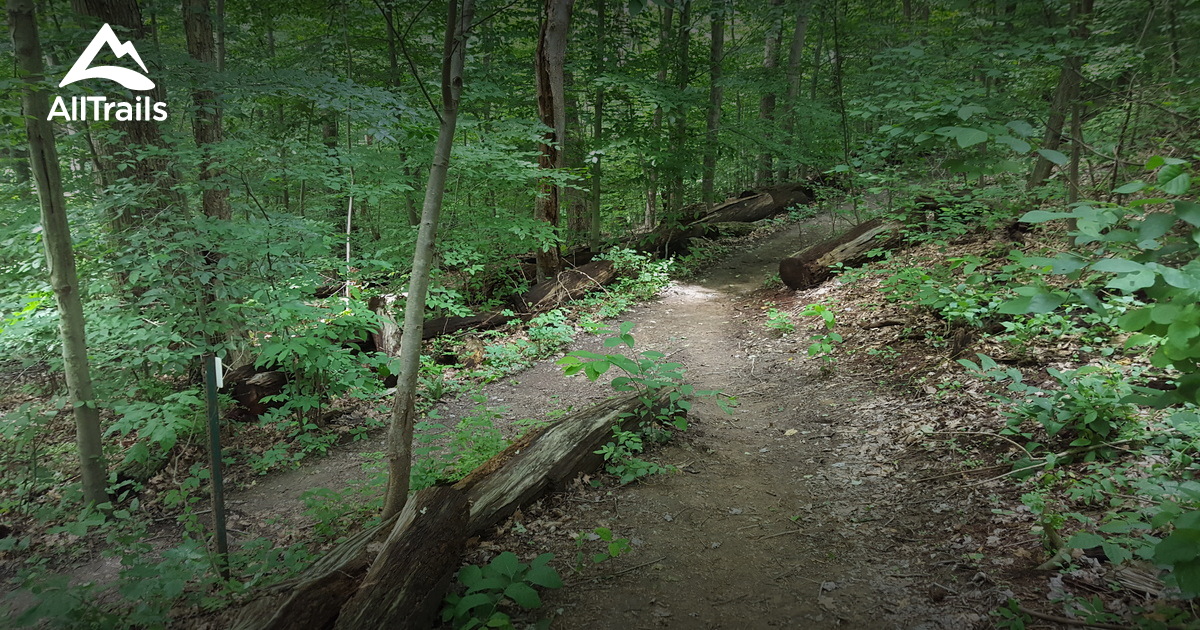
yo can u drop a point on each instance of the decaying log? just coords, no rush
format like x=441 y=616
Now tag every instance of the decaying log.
x=407 y=580
x=405 y=583
x=482 y=321
x=314 y=597
x=550 y=461
x=250 y=385
x=768 y=203
x=810 y=267
x=543 y=296
x=568 y=285
x=387 y=338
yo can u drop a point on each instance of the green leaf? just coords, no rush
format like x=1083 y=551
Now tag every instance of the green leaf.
x=1133 y=281
x=1135 y=320
x=966 y=111
x=524 y=595
x=544 y=576
x=593 y=369
x=1155 y=225
x=1016 y=144
x=1177 y=185
x=1085 y=540
x=1186 y=422
x=967 y=137
x=474 y=600
x=1181 y=546
x=1021 y=128
x=1188 y=211
x=1130 y=188
x=1041 y=216
x=1117 y=265
x=506 y=563
x=1187 y=576
x=1055 y=157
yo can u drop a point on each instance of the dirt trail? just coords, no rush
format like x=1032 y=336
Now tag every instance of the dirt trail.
x=793 y=512
x=797 y=511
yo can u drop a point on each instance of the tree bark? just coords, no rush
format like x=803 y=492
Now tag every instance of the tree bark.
x=56 y=237
x=716 y=52
x=206 y=121
x=652 y=193
x=766 y=104
x=551 y=104
x=795 y=57
x=400 y=433
x=154 y=171
x=679 y=130
x=597 y=131
x=808 y=268
x=407 y=580
x=1065 y=94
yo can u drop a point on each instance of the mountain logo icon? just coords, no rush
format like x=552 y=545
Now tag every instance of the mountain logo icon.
x=131 y=79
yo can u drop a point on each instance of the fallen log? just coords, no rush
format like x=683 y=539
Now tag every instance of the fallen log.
x=482 y=321
x=549 y=461
x=808 y=268
x=543 y=296
x=405 y=583
x=763 y=205
x=408 y=579
x=567 y=285
x=250 y=385
x=313 y=598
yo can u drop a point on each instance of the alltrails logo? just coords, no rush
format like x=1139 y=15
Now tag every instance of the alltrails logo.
x=142 y=109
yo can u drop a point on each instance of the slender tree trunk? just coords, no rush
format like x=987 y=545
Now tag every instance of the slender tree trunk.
x=551 y=103
x=154 y=171
x=716 y=52
x=818 y=50
x=679 y=131
x=664 y=38
x=1065 y=94
x=56 y=237
x=597 y=131
x=206 y=121
x=400 y=433
x=766 y=104
x=795 y=57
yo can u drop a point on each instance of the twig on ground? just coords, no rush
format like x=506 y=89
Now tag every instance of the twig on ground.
x=1079 y=622
x=613 y=575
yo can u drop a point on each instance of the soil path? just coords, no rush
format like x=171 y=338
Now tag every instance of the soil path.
x=799 y=510
x=793 y=512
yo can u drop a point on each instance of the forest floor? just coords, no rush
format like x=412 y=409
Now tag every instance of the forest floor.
x=801 y=509
x=804 y=508
x=825 y=499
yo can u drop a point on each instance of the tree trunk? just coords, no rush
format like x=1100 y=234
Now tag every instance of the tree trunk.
x=1065 y=94
x=403 y=407
x=597 y=132
x=795 y=57
x=551 y=105
x=716 y=51
x=679 y=131
x=206 y=122
x=652 y=196
x=56 y=237
x=766 y=105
